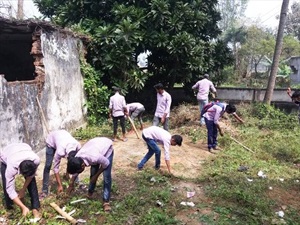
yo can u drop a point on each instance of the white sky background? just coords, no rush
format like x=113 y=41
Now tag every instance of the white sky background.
x=30 y=11
x=265 y=11
x=262 y=11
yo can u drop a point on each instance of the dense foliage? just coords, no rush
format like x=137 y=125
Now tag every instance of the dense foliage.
x=181 y=36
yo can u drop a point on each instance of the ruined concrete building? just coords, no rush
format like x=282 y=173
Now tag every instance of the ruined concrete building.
x=41 y=85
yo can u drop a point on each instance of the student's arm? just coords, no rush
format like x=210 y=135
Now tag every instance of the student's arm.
x=219 y=129
x=168 y=165
x=56 y=164
x=21 y=195
x=289 y=92
x=19 y=203
x=95 y=177
x=168 y=108
x=71 y=184
x=237 y=117
x=59 y=184
x=26 y=183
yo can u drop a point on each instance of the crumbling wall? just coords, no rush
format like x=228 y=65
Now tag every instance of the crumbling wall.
x=19 y=114
x=63 y=91
x=58 y=87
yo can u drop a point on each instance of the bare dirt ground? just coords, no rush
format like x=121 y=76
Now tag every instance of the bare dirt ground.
x=186 y=161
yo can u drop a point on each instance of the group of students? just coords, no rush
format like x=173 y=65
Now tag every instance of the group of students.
x=19 y=158
x=119 y=110
x=97 y=153
x=210 y=113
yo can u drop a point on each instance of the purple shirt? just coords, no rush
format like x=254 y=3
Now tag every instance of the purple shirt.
x=163 y=106
x=133 y=106
x=96 y=151
x=161 y=136
x=12 y=156
x=63 y=143
x=117 y=104
x=203 y=87
x=215 y=112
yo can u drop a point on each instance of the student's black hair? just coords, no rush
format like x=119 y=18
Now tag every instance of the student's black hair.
x=296 y=94
x=27 y=168
x=178 y=139
x=158 y=86
x=72 y=154
x=74 y=165
x=230 y=108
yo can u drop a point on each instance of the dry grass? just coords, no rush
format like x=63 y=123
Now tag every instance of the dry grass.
x=185 y=115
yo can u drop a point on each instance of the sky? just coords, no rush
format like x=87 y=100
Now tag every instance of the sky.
x=265 y=11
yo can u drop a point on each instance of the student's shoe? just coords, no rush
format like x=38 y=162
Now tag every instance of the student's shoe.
x=42 y=196
x=106 y=207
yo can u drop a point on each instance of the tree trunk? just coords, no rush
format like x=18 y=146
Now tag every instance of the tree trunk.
x=20 y=13
x=277 y=52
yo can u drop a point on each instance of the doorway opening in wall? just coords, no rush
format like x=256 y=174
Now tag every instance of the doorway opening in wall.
x=16 y=63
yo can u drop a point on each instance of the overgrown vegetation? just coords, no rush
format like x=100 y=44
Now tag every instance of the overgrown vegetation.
x=97 y=94
x=232 y=197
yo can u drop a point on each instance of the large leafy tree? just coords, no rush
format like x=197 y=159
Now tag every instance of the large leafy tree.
x=231 y=12
x=293 y=20
x=182 y=37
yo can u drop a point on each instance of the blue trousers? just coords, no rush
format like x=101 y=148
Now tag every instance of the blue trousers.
x=202 y=103
x=46 y=174
x=212 y=133
x=106 y=179
x=152 y=149
x=32 y=190
x=156 y=121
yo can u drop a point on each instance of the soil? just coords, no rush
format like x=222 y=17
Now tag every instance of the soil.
x=186 y=162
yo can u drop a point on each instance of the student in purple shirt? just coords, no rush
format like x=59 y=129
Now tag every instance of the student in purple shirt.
x=98 y=154
x=163 y=107
x=134 y=110
x=203 y=87
x=17 y=159
x=118 y=110
x=212 y=116
x=59 y=144
x=154 y=135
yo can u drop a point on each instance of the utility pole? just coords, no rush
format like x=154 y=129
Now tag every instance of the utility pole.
x=20 y=13
x=277 y=52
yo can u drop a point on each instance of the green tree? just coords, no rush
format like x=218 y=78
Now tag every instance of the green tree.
x=293 y=20
x=182 y=37
x=258 y=45
x=231 y=12
x=291 y=47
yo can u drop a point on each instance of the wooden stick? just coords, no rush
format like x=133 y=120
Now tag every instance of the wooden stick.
x=134 y=128
x=241 y=144
x=63 y=213
x=42 y=113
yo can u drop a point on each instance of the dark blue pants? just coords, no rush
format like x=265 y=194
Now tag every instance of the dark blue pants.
x=49 y=159
x=152 y=149
x=212 y=133
x=122 y=123
x=32 y=190
x=106 y=179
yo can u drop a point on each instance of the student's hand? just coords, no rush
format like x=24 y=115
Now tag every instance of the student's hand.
x=60 y=188
x=21 y=194
x=25 y=211
x=70 y=189
x=221 y=132
x=163 y=120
